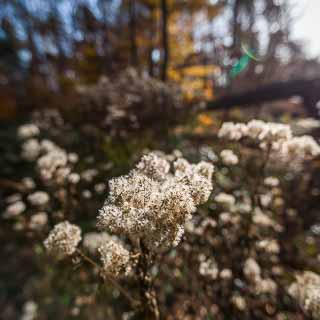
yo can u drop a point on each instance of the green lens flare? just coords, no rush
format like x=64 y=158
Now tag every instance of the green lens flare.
x=243 y=62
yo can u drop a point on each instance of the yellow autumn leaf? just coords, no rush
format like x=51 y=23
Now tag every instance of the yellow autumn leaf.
x=205 y=120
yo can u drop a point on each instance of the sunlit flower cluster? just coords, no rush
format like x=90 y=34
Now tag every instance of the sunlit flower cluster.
x=53 y=162
x=63 y=239
x=301 y=147
x=115 y=258
x=154 y=204
x=225 y=199
x=93 y=240
x=271 y=181
x=38 y=220
x=306 y=290
x=228 y=157
x=38 y=198
x=208 y=267
x=27 y=131
x=253 y=273
x=255 y=129
x=274 y=136
x=14 y=209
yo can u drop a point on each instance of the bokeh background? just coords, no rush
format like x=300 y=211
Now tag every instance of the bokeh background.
x=107 y=80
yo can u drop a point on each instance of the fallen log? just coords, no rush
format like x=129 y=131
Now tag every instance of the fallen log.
x=307 y=89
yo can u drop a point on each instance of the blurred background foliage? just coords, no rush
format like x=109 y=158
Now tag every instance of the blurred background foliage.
x=48 y=48
x=109 y=79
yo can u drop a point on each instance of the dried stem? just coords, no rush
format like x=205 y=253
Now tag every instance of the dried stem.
x=115 y=283
x=147 y=292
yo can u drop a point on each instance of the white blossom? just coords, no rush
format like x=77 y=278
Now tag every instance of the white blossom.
x=301 y=147
x=154 y=204
x=252 y=270
x=74 y=178
x=228 y=157
x=48 y=164
x=38 y=221
x=87 y=194
x=268 y=131
x=239 y=302
x=93 y=240
x=306 y=290
x=225 y=199
x=63 y=239
x=30 y=150
x=73 y=157
x=29 y=311
x=208 y=268
x=225 y=274
x=233 y=131
x=38 y=198
x=28 y=131
x=266 y=286
x=115 y=258
x=89 y=174
x=28 y=183
x=265 y=199
x=154 y=166
x=271 y=181
x=269 y=246
x=14 y=209
x=276 y=137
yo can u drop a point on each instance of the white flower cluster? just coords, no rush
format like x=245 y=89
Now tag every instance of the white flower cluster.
x=228 y=157
x=115 y=258
x=93 y=240
x=53 y=162
x=257 y=130
x=153 y=204
x=239 y=302
x=263 y=220
x=306 y=290
x=225 y=199
x=29 y=311
x=271 y=181
x=252 y=272
x=38 y=221
x=276 y=135
x=63 y=239
x=302 y=147
x=14 y=209
x=233 y=131
x=269 y=246
x=208 y=267
x=30 y=149
x=38 y=198
x=27 y=131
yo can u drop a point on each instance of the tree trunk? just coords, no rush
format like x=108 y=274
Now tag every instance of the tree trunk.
x=236 y=25
x=165 y=40
x=133 y=33
x=151 y=42
x=308 y=90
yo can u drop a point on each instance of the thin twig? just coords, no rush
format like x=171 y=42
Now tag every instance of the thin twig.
x=117 y=285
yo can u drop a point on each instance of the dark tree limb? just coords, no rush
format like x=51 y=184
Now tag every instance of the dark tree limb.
x=133 y=33
x=165 y=40
x=308 y=90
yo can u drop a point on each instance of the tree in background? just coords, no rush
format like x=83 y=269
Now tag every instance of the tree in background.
x=55 y=45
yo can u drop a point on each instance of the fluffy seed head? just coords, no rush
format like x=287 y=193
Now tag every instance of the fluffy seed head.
x=63 y=239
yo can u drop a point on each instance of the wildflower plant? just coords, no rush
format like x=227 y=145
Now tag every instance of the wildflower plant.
x=241 y=243
x=149 y=207
x=185 y=240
